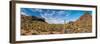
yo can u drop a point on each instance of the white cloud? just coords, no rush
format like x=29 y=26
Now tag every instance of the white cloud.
x=53 y=21
x=36 y=10
x=58 y=21
x=23 y=13
x=64 y=14
x=74 y=19
x=60 y=12
x=67 y=14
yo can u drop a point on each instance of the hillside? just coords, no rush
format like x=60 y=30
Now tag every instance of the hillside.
x=82 y=25
x=31 y=18
x=30 y=24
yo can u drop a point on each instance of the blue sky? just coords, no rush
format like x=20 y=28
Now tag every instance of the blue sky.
x=54 y=16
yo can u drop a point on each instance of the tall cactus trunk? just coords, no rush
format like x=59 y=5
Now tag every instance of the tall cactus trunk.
x=63 y=30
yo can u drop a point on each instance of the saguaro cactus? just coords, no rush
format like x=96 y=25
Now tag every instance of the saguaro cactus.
x=64 y=26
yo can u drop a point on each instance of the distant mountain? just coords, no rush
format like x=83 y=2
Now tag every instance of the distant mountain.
x=38 y=19
x=31 y=18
